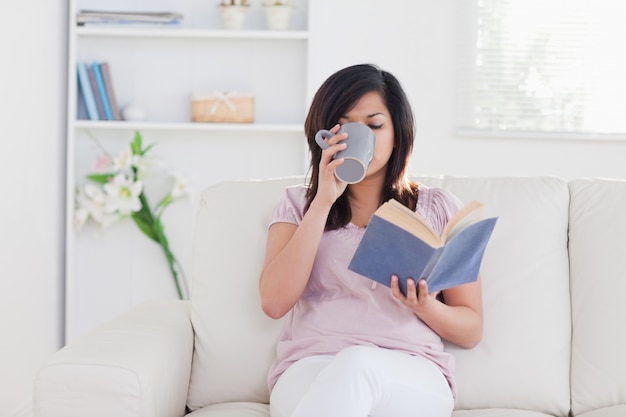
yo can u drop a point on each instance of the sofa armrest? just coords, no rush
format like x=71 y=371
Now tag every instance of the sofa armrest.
x=138 y=365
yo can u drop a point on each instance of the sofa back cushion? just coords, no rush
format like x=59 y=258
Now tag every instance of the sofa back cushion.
x=598 y=284
x=234 y=340
x=523 y=360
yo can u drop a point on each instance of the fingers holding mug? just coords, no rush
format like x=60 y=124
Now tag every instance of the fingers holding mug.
x=327 y=138
x=330 y=142
x=329 y=161
x=353 y=143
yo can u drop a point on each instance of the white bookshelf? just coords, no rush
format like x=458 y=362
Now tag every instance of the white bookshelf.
x=182 y=126
x=158 y=68
x=179 y=32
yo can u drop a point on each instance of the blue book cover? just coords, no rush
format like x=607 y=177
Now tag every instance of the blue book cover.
x=85 y=89
x=96 y=92
x=397 y=241
x=108 y=84
x=81 y=107
x=102 y=89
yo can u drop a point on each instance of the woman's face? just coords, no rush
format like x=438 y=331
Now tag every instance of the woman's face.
x=372 y=112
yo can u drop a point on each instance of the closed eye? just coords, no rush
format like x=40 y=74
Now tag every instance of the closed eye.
x=374 y=127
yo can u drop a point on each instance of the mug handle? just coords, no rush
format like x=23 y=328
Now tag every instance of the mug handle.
x=321 y=135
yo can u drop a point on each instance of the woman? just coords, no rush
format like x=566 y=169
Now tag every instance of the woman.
x=348 y=346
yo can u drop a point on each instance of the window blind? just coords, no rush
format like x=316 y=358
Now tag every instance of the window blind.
x=543 y=66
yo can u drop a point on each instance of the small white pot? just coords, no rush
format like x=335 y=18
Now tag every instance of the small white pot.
x=278 y=16
x=233 y=16
x=134 y=113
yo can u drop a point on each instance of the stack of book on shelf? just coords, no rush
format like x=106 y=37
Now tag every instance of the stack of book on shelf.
x=96 y=98
x=115 y=17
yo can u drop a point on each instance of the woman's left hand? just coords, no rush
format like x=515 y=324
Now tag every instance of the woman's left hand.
x=417 y=299
x=459 y=320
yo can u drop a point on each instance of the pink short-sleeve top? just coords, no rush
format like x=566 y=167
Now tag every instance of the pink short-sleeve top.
x=340 y=308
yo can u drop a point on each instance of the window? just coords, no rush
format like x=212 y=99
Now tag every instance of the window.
x=543 y=66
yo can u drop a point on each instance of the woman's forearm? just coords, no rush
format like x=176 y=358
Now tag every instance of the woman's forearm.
x=290 y=255
x=460 y=324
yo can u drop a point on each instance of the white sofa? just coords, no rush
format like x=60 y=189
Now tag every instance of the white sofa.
x=554 y=288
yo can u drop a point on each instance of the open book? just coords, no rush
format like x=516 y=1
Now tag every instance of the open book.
x=398 y=241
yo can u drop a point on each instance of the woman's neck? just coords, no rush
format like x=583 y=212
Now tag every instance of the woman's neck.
x=364 y=198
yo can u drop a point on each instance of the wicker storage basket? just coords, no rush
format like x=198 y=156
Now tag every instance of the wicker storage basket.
x=222 y=108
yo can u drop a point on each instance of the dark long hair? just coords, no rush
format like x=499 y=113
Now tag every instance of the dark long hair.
x=336 y=97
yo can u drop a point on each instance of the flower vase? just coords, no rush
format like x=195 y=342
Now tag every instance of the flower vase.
x=233 y=16
x=278 y=16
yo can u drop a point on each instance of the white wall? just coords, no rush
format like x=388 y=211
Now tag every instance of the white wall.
x=32 y=130
x=417 y=42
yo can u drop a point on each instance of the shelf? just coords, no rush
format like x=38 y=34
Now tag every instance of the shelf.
x=181 y=126
x=184 y=33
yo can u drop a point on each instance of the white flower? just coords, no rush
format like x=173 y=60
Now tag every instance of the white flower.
x=123 y=195
x=91 y=202
x=124 y=160
x=145 y=164
x=181 y=187
x=95 y=194
x=80 y=218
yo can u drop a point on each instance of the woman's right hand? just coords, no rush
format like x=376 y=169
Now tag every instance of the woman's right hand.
x=329 y=187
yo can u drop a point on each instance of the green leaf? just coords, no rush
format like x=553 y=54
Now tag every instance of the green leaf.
x=143 y=152
x=158 y=230
x=135 y=145
x=145 y=208
x=166 y=201
x=145 y=227
x=100 y=178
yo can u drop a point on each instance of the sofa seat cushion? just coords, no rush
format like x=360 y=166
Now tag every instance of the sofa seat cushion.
x=238 y=409
x=617 y=411
x=498 y=412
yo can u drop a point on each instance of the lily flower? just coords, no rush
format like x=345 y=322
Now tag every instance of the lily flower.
x=123 y=195
x=80 y=218
x=117 y=190
x=124 y=160
x=181 y=187
x=91 y=202
x=145 y=164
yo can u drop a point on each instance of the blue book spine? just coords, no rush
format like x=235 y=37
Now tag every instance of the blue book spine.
x=81 y=107
x=85 y=87
x=96 y=92
x=103 y=91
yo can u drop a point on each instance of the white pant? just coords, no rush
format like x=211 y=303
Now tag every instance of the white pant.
x=362 y=381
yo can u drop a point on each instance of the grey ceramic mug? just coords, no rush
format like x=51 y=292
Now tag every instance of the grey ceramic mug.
x=358 y=153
